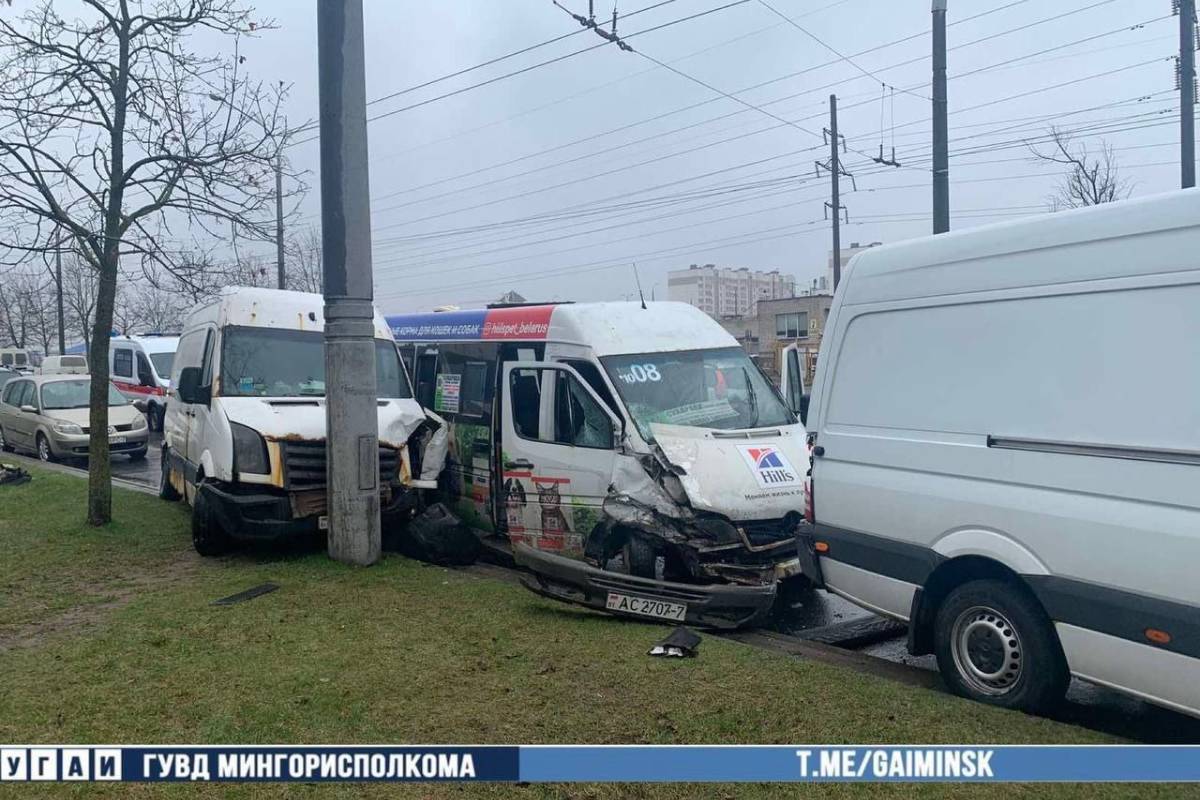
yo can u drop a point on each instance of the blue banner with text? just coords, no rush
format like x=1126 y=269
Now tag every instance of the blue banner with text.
x=602 y=763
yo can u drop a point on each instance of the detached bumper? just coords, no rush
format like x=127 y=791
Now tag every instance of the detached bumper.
x=256 y=516
x=571 y=581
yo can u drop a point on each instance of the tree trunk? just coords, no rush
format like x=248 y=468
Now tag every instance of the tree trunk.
x=99 y=465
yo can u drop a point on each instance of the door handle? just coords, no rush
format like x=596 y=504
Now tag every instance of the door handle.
x=520 y=463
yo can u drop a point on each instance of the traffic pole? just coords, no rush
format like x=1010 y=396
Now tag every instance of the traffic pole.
x=941 y=145
x=835 y=191
x=1187 y=93
x=352 y=428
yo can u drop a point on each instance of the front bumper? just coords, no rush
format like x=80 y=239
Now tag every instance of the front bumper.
x=248 y=513
x=76 y=445
x=712 y=606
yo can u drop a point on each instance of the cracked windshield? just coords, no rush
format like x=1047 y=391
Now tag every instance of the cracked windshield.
x=262 y=362
x=719 y=388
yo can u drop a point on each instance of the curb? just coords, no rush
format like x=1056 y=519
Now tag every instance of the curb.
x=78 y=473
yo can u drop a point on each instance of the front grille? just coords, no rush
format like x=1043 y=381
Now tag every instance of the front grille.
x=304 y=465
x=767 y=531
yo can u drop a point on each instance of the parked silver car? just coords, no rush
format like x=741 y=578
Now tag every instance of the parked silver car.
x=48 y=415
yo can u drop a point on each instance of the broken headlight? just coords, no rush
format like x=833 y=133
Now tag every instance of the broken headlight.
x=249 y=451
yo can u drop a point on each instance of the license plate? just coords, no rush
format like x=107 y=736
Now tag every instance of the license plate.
x=322 y=523
x=645 y=607
x=116 y=439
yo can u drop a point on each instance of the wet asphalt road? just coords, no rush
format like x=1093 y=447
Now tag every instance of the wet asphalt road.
x=801 y=612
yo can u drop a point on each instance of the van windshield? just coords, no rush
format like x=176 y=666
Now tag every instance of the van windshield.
x=719 y=388
x=264 y=362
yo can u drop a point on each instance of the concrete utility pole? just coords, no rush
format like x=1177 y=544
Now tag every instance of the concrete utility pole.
x=941 y=145
x=835 y=192
x=279 y=221
x=62 y=328
x=351 y=414
x=1187 y=92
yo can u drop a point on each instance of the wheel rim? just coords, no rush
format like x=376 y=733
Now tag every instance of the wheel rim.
x=987 y=651
x=43 y=449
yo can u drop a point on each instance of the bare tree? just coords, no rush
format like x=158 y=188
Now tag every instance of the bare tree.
x=1090 y=179
x=305 y=272
x=79 y=301
x=112 y=128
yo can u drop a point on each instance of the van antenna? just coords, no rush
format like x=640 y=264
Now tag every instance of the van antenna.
x=638 y=278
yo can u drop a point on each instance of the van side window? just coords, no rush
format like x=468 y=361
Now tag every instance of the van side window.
x=189 y=353
x=579 y=421
x=206 y=373
x=10 y=393
x=28 y=395
x=591 y=374
x=144 y=375
x=474 y=389
x=426 y=375
x=123 y=362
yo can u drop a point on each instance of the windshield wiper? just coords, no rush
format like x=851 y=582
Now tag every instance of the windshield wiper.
x=751 y=396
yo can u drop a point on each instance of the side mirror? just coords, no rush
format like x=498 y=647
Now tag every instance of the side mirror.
x=190 y=390
x=141 y=406
x=28 y=409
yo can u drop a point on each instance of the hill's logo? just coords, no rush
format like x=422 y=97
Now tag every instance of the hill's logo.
x=770 y=466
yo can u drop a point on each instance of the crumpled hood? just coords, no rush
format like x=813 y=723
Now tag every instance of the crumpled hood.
x=304 y=417
x=744 y=475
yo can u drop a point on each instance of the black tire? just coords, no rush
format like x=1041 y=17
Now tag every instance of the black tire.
x=640 y=558
x=5 y=447
x=165 y=490
x=44 y=453
x=208 y=537
x=138 y=455
x=155 y=418
x=995 y=644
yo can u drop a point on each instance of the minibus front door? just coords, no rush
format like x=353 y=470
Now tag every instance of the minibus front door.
x=558 y=451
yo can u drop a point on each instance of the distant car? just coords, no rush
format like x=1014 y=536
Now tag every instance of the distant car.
x=47 y=415
x=64 y=365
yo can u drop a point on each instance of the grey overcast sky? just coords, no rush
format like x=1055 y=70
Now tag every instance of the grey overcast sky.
x=552 y=182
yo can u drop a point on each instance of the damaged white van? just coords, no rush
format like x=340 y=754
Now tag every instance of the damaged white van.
x=635 y=457
x=244 y=432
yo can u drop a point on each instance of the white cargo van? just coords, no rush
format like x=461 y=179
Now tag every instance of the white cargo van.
x=64 y=365
x=1005 y=430
x=610 y=438
x=244 y=438
x=141 y=368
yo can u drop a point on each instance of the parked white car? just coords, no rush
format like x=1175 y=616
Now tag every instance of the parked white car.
x=1005 y=429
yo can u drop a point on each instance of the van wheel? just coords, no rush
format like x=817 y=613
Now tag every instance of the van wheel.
x=207 y=535
x=5 y=447
x=640 y=558
x=995 y=644
x=155 y=418
x=165 y=490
